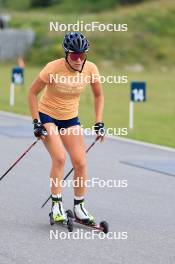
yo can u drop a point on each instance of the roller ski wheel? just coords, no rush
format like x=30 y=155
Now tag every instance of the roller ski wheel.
x=70 y=225
x=104 y=226
x=52 y=222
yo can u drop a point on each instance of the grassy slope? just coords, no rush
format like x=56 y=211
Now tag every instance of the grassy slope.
x=149 y=40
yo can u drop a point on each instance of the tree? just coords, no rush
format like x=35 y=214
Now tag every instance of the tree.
x=130 y=1
x=41 y=3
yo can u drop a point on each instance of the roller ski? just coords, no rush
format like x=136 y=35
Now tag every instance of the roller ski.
x=58 y=216
x=82 y=217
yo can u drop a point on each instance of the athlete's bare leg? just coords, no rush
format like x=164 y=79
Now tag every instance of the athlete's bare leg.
x=75 y=146
x=56 y=150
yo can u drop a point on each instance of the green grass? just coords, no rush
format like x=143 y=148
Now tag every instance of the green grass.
x=154 y=119
x=66 y=6
x=149 y=40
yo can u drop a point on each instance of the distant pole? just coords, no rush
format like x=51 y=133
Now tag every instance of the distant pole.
x=131 y=115
x=12 y=94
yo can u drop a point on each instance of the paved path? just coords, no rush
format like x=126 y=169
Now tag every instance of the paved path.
x=145 y=209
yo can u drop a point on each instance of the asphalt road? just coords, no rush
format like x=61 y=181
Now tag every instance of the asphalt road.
x=143 y=212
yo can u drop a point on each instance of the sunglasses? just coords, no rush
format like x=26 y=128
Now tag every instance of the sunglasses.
x=75 y=56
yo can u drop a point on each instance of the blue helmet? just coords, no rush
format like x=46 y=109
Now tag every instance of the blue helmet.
x=76 y=42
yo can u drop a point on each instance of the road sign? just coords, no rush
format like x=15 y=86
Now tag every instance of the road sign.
x=138 y=92
x=18 y=75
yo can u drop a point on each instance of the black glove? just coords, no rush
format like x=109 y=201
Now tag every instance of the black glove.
x=99 y=129
x=39 y=129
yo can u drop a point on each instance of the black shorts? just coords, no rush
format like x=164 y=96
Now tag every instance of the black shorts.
x=44 y=118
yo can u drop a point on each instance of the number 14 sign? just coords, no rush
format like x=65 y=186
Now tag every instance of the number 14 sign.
x=138 y=91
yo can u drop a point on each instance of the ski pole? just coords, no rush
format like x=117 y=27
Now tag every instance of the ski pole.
x=67 y=175
x=11 y=167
